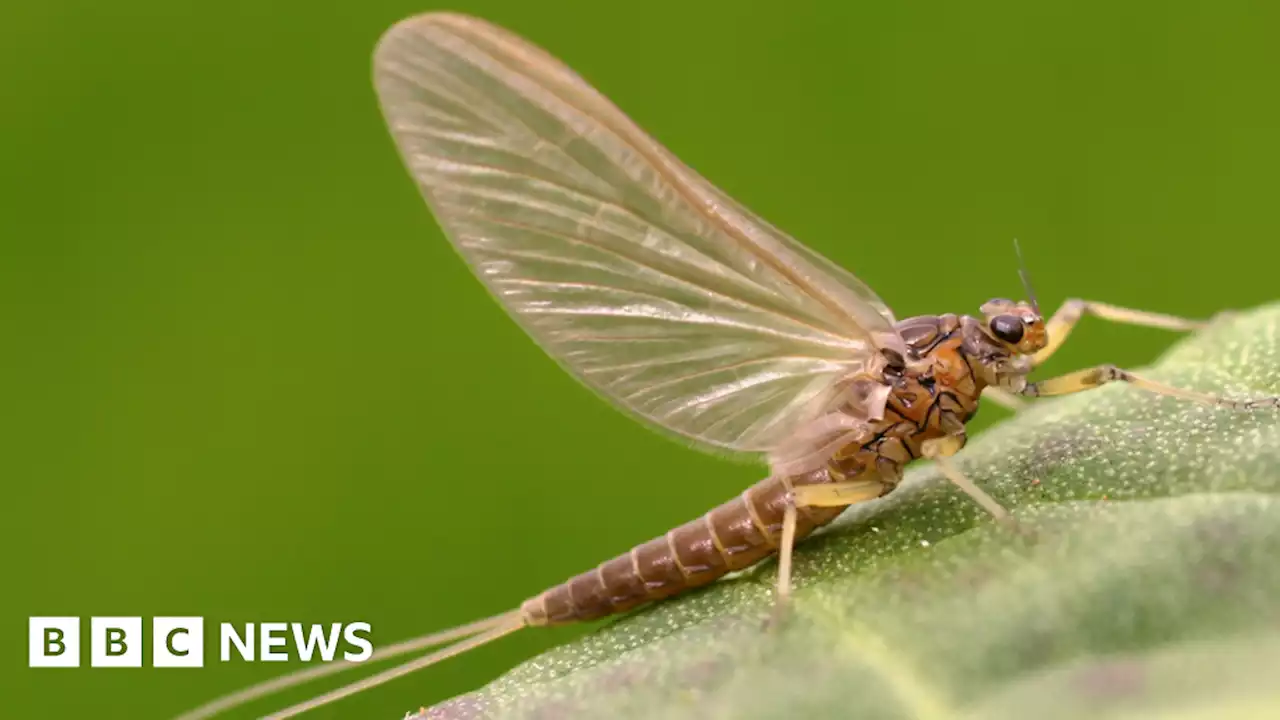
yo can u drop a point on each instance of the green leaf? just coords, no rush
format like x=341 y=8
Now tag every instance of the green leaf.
x=1148 y=588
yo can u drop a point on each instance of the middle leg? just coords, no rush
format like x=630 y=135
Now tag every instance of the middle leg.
x=940 y=451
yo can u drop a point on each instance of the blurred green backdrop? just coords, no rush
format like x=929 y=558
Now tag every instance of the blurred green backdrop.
x=245 y=377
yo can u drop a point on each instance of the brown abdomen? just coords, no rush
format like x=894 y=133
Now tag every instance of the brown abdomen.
x=733 y=536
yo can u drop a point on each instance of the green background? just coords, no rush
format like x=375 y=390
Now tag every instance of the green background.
x=244 y=376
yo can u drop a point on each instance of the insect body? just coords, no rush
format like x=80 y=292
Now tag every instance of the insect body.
x=926 y=396
x=691 y=314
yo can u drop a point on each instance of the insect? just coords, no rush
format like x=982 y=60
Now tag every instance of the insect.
x=693 y=315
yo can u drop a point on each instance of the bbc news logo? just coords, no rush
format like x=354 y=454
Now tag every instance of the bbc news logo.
x=179 y=642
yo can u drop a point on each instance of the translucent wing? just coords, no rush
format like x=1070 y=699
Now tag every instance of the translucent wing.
x=642 y=279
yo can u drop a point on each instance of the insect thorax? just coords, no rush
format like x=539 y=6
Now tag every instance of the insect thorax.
x=933 y=393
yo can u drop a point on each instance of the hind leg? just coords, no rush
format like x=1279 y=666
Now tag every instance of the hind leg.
x=839 y=494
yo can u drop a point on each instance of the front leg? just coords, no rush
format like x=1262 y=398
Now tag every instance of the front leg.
x=1064 y=320
x=1090 y=378
x=1004 y=398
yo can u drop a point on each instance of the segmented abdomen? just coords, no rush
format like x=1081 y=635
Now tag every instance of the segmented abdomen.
x=730 y=537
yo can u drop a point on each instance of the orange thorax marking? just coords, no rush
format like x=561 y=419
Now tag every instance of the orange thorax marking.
x=951 y=372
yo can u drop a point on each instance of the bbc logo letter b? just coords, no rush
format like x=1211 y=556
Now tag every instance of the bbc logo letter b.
x=115 y=642
x=53 y=642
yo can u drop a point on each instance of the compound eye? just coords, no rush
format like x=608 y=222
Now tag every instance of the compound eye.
x=1008 y=328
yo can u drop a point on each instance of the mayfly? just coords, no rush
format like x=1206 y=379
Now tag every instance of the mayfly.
x=692 y=314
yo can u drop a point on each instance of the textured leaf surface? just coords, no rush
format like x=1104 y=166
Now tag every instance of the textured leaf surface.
x=1149 y=587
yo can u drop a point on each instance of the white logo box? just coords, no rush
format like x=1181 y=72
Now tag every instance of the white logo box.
x=115 y=641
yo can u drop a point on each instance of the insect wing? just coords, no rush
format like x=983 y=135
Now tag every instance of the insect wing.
x=642 y=279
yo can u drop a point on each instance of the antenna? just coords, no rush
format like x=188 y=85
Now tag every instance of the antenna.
x=1026 y=276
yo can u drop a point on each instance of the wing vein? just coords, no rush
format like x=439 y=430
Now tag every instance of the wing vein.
x=643 y=280
x=624 y=132
x=742 y=303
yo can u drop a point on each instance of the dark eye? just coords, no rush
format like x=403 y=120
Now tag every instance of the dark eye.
x=1008 y=328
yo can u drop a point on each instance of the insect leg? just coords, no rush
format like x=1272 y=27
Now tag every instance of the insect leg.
x=838 y=494
x=783 y=592
x=1101 y=375
x=1003 y=397
x=1066 y=317
x=940 y=450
